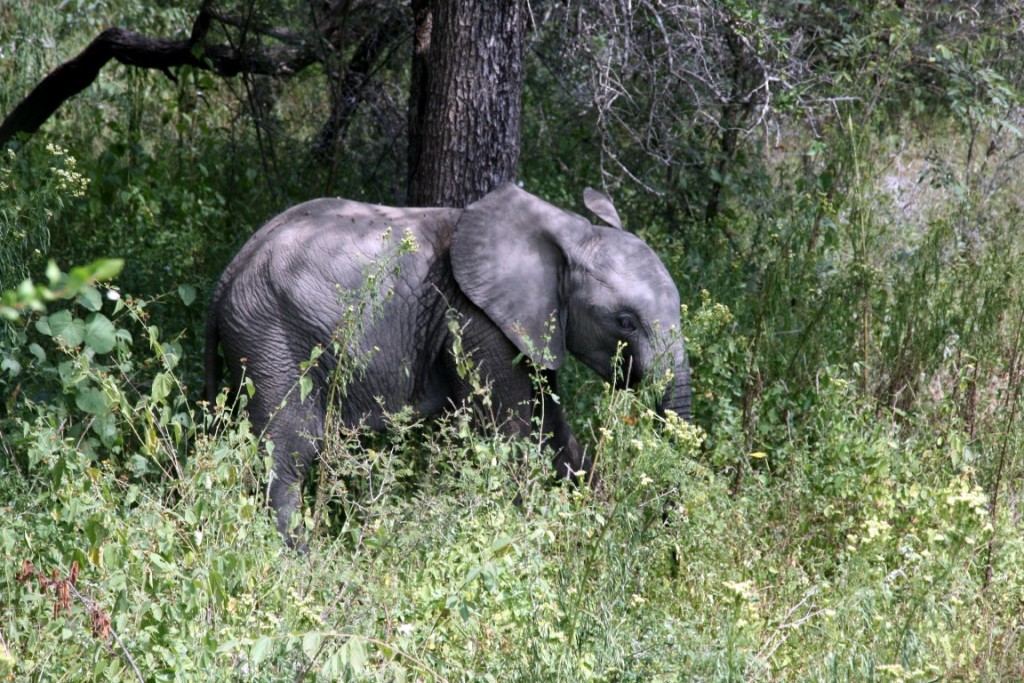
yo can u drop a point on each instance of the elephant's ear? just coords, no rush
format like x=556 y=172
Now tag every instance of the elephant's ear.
x=602 y=207
x=508 y=256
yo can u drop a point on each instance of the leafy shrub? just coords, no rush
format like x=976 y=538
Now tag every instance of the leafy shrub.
x=33 y=201
x=77 y=376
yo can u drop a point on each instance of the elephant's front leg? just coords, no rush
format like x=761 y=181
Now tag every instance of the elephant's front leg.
x=571 y=461
x=516 y=398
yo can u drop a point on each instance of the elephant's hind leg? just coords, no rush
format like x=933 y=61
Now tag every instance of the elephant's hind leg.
x=296 y=435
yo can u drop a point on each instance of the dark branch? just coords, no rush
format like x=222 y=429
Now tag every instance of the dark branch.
x=350 y=94
x=132 y=49
x=282 y=34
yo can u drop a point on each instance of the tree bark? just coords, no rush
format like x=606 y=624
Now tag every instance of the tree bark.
x=464 y=103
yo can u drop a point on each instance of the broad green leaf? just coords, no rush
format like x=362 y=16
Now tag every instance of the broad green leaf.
x=334 y=668
x=90 y=299
x=187 y=294
x=355 y=654
x=139 y=465
x=311 y=643
x=106 y=427
x=92 y=401
x=69 y=331
x=100 y=334
x=261 y=650
x=171 y=351
x=501 y=544
x=163 y=385
x=12 y=366
x=105 y=269
x=348 y=661
x=305 y=387
x=37 y=351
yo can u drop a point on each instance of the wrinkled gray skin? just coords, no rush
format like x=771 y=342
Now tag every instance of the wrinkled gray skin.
x=523 y=276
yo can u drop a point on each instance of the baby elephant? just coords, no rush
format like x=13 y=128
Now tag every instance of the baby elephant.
x=378 y=290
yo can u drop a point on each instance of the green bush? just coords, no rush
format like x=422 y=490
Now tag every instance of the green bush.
x=862 y=561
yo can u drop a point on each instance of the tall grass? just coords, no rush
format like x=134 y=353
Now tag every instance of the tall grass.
x=857 y=549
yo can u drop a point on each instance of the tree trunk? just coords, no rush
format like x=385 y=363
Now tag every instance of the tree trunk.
x=464 y=102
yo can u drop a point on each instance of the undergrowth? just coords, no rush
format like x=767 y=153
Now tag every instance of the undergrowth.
x=140 y=547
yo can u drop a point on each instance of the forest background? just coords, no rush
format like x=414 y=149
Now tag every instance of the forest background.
x=837 y=189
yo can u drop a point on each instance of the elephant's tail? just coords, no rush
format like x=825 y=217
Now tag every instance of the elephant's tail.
x=212 y=358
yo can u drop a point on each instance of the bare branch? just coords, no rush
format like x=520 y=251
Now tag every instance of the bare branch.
x=132 y=49
x=377 y=42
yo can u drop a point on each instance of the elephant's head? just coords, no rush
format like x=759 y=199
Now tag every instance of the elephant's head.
x=553 y=281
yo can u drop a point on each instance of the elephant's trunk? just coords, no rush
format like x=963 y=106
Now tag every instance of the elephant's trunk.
x=678 y=396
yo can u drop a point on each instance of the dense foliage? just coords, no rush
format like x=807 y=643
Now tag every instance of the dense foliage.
x=837 y=188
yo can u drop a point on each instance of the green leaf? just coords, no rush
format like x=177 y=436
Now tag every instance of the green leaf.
x=261 y=650
x=92 y=401
x=349 y=657
x=37 y=350
x=105 y=269
x=158 y=561
x=52 y=273
x=311 y=643
x=501 y=544
x=187 y=294
x=12 y=366
x=90 y=299
x=825 y=181
x=355 y=654
x=69 y=331
x=163 y=385
x=100 y=334
x=305 y=387
x=334 y=668
x=172 y=353
x=139 y=465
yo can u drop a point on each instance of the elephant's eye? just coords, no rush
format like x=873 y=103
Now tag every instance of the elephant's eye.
x=627 y=323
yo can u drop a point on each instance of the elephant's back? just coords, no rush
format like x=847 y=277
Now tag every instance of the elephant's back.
x=293 y=273
x=332 y=228
x=328 y=242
